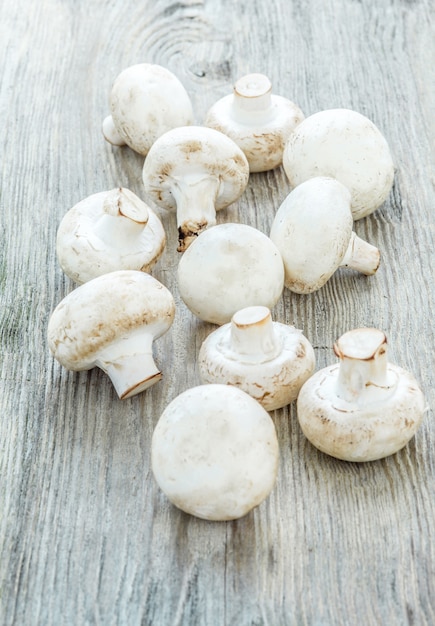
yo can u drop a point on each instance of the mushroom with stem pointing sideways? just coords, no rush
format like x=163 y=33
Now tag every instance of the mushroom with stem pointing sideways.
x=146 y=100
x=364 y=408
x=195 y=171
x=312 y=229
x=257 y=120
x=268 y=360
x=110 y=322
x=109 y=231
x=214 y=452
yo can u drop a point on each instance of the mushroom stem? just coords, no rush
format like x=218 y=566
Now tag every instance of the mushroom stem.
x=195 y=196
x=253 y=337
x=361 y=256
x=123 y=220
x=252 y=93
x=130 y=365
x=363 y=374
x=110 y=133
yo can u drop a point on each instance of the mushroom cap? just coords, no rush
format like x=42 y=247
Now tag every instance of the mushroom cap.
x=274 y=380
x=84 y=255
x=147 y=100
x=227 y=268
x=261 y=133
x=312 y=229
x=347 y=146
x=215 y=452
x=198 y=152
x=353 y=433
x=106 y=310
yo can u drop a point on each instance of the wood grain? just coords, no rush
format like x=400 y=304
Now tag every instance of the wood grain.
x=86 y=537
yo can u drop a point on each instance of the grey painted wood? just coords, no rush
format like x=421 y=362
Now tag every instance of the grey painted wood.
x=86 y=537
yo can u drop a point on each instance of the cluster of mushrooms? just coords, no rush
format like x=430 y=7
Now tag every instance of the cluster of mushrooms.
x=214 y=449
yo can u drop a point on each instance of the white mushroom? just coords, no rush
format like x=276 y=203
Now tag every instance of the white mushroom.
x=364 y=408
x=227 y=268
x=347 y=146
x=146 y=100
x=257 y=120
x=195 y=171
x=312 y=230
x=109 y=231
x=268 y=360
x=110 y=322
x=215 y=452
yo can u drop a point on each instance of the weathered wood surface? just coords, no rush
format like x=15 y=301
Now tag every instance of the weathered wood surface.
x=86 y=537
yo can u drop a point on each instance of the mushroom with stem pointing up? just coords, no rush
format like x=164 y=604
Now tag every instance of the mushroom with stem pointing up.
x=364 y=408
x=109 y=231
x=267 y=359
x=257 y=120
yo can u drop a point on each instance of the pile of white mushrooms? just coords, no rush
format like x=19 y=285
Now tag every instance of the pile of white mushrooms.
x=215 y=450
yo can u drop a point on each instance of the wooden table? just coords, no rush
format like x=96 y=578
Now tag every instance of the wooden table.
x=86 y=536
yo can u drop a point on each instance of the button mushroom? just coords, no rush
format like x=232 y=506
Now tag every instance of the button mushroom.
x=257 y=120
x=195 y=171
x=110 y=322
x=312 y=229
x=268 y=360
x=227 y=268
x=365 y=408
x=347 y=146
x=146 y=100
x=109 y=231
x=215 y=452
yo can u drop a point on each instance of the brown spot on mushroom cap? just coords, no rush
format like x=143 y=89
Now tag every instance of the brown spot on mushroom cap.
x=191 y=146
x=104 y=310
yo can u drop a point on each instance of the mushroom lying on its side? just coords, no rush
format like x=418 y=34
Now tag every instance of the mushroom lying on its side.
x=214 y=452
x=312 y=229
x=364 y=408
x=195 y=171
x=257 y=120
x=268 y=360
x=110 y=322
x=109 y=231
x=146 y=100
x=347 y=146
x=227 y=268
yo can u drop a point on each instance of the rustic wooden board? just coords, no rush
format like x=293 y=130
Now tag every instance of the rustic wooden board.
x=86 y=537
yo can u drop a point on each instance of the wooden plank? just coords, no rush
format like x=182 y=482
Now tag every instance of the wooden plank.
x=86 y=537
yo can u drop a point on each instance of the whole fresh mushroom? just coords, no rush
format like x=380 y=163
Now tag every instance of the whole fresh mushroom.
x=195 y=171
x=229 y=267
x=257 y=120
x=345 y=145
x=146 y=100
x=109 y=231
x=110 y=322
x=215 y=452
x=364 y=408
x=268 y=360
x=312 y=229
